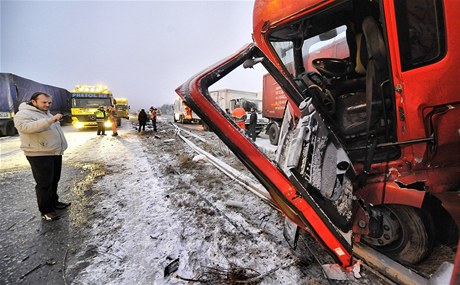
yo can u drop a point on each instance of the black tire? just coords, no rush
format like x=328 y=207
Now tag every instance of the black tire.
x=414 y=236
x=274 y=133
x=118 y=122
x=10 y=129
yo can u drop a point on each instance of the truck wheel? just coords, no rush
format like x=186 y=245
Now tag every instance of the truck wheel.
x=407 y=234
x=273 y=134
x=119 y=122
x=205 y=126
x=10 y=129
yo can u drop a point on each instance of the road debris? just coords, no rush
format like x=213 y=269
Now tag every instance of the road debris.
x=171 y=267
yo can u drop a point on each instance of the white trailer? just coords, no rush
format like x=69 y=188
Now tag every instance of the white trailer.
x=227 y=98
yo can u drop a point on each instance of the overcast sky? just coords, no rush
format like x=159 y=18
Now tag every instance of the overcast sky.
x=141 y=50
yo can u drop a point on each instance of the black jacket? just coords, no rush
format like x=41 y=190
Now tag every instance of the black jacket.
x=142 y=117
x=253 y=119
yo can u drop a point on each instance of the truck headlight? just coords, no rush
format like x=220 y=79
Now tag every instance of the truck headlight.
x=108 y=124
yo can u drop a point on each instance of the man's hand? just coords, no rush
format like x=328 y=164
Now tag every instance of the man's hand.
x=57 y=117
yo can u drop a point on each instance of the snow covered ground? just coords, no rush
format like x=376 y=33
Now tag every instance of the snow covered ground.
x=149 y=207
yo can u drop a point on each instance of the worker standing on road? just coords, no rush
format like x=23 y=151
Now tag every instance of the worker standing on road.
x=113 y=119
x=142 y=118
x=153 y=117
x=253 y=124
x=239 y=116
x=101 y=116
x=43 y=143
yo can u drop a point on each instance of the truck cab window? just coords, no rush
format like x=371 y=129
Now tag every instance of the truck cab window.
x=330 y=44
x=421 y=22
x=285 y=52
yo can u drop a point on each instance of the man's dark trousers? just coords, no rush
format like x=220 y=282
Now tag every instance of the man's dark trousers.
x=253 y=132
x=47 y=172
x=100 y=128
x=154 y=125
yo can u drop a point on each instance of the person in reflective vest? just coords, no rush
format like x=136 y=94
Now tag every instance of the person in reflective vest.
x=101 y=116
x=239 y=116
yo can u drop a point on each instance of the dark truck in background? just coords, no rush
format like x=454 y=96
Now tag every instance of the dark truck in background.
x=15 y=89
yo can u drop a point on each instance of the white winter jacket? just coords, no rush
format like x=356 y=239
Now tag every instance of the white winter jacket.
x=40 y=135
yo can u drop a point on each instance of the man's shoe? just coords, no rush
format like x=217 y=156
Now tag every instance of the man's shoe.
x=61 y=205
x=49 y=217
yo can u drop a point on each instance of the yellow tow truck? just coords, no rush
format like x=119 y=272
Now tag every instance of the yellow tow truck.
x=122 y=109
x=85 y=101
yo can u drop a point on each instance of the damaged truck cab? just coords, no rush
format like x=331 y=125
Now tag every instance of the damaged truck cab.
x=369 y=149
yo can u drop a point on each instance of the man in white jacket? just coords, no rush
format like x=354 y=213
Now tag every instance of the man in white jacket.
x=43 y=143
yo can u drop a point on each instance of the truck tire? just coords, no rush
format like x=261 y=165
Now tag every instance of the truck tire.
x=118 y=122
x=274 y=134
x=10 y=129
x=412 y=232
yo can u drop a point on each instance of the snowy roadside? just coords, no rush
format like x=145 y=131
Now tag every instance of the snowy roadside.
x=156 y=206
x=121 y=232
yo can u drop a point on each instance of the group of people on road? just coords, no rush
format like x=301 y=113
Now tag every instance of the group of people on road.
x=102 y=116
x=143 y=118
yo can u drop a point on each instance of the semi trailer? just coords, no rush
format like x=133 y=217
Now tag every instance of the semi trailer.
x=15 y=89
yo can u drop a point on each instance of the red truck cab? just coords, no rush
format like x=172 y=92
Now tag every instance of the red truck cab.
x=370 y=151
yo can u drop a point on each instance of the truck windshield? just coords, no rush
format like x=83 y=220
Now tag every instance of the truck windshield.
x=90 y=102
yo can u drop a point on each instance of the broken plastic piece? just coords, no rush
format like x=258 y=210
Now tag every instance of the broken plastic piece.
x=171 y=267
